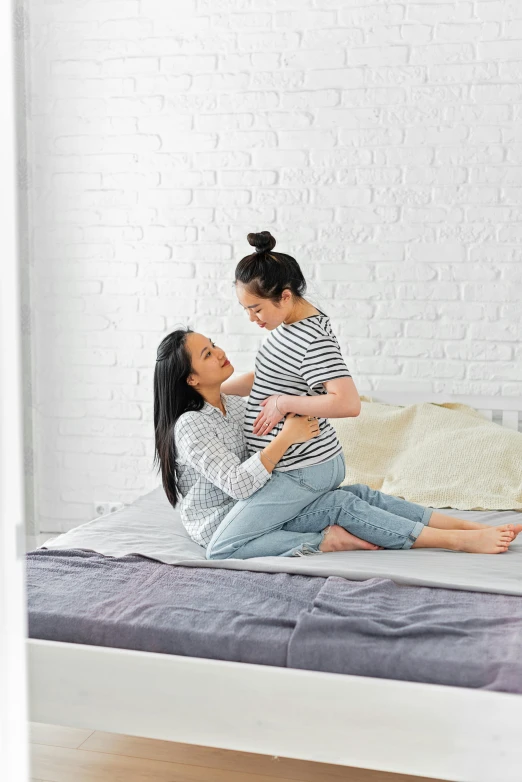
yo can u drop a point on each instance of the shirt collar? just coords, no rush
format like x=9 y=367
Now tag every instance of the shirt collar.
x=210 y=409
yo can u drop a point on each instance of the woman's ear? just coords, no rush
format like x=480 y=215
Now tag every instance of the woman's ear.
x=191 y=380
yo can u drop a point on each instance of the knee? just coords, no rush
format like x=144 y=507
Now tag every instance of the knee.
x=359 y=489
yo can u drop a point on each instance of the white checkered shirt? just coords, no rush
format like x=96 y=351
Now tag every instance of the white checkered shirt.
x=215 y=470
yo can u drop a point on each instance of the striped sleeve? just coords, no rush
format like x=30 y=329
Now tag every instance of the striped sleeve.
x=323 y=361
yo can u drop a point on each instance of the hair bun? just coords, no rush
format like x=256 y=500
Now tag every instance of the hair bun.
x=263 y=241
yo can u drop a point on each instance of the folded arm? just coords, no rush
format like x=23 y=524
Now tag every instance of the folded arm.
x=222 y=467
x=341 y=401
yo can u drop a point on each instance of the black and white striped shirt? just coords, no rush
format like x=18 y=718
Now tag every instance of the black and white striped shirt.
x=297 y=359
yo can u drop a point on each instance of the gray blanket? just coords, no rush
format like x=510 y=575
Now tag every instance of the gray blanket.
x=371 y=628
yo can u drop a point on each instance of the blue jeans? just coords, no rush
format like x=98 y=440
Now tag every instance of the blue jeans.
x=289 y=514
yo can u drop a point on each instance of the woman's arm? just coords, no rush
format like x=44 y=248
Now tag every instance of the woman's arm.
x=274 y=451
x=207 y=455
x=341 y=401
x=238 y=385
x=296 y=429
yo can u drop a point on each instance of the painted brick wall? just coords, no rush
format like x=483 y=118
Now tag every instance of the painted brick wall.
x=379 y=141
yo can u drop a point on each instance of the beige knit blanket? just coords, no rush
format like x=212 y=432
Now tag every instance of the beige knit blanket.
x=441 y=456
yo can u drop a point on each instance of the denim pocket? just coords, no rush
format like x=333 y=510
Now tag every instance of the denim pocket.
x=319 y=477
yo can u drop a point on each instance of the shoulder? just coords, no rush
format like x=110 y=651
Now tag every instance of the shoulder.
x=324 y=343
x=324 y=325
x=318 y=328
x=192 y=421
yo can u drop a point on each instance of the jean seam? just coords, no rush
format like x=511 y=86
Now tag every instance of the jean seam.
x=362 y=521
x=229 y=522
x=314 y=488
x=250 y=538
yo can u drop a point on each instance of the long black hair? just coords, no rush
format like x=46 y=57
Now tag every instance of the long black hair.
x=172 y=397
x=268 y=274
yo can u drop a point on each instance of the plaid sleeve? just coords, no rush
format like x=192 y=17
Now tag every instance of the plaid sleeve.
x=197 y=446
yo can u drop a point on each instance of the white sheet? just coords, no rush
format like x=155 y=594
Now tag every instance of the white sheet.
x=152 y=528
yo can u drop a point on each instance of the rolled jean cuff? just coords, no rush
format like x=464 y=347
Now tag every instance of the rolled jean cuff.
x=426 y=516
x=418 y=526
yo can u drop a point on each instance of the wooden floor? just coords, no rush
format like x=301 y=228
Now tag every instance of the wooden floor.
x=71 y=755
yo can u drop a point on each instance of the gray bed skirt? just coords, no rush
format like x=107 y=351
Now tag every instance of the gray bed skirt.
x=375 y=628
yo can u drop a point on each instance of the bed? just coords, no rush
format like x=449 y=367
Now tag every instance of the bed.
x=273 y=690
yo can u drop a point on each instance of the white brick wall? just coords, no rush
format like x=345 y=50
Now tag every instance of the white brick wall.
x=380 y=143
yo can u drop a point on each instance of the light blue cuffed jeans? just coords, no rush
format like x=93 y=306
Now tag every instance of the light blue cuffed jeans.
x=289 y=514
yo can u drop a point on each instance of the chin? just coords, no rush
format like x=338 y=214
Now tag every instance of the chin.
x=228 y=371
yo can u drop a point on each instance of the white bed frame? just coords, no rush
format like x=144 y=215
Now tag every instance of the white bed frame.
x=449 y=733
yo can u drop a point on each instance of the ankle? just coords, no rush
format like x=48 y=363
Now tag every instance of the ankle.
x=433 y=537
x=457 y=539
x=452 y=539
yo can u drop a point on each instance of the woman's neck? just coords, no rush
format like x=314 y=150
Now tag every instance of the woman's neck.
x=213 y=397
x=301 y=309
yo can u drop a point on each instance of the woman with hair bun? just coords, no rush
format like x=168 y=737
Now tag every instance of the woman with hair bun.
x=299 y=369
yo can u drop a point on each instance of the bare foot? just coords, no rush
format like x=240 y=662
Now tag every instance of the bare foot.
x=338 y=539
x=490 y=540
x=517 y=528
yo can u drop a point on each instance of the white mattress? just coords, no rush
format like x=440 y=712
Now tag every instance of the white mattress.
x=152 y=528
